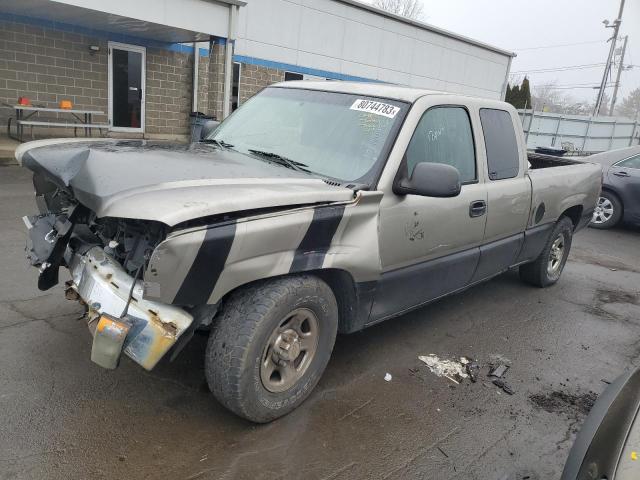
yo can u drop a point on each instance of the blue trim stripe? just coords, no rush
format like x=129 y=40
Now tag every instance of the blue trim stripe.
x=303 y=70
x=103 y=34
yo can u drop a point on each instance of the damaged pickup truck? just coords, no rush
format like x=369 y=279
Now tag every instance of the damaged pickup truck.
x=316 y=208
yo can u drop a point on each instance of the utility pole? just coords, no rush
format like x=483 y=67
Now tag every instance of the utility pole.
x=620 y=68
x=616 y=26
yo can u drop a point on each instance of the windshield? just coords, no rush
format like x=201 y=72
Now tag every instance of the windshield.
x=337 y=135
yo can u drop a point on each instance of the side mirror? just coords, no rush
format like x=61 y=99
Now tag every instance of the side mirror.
x=208 y=128
x=430 y=180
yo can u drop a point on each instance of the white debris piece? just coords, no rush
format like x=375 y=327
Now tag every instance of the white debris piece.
x=387 y=377
x=444 y=368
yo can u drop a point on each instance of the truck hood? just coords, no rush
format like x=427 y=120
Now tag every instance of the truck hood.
x=170 y=183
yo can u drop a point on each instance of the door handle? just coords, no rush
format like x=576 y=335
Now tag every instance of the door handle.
x=621 y=174
x=477 y=208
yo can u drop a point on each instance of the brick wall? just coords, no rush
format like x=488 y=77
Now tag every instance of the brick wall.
x=48 y=65
x=254 y=78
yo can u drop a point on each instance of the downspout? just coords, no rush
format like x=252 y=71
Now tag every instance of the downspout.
x=228 y=61
x=195 y=82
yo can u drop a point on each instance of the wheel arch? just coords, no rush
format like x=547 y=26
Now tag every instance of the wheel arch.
x=353 y=299
x=574 y=214
x=613 y=191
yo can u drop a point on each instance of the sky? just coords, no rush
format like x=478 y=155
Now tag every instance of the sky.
x=523 y=26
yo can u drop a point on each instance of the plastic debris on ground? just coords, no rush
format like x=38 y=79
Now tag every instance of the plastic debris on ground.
x=500 y=383
x=498 y=371
x=473 y=368
x=451 y=369
x=387 y=377
x=467 y=367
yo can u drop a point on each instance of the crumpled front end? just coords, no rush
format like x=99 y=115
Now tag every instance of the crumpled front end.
x=151 y=328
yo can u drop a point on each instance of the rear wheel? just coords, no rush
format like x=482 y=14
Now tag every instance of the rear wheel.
x=608 y=211
x=270 y=346
x=547 y=268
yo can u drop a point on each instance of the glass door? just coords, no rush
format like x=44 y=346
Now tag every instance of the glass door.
x=126 y=87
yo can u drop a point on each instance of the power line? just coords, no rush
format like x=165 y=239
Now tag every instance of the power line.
x=560 y=69
x=559 y=45
x=572 y=86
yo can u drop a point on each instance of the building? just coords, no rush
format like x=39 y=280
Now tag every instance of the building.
x=147 y=64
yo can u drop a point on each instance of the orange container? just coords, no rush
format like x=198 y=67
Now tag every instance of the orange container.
x=66 y=104
x=24 y=101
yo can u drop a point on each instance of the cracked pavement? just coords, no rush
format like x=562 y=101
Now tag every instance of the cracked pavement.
x=64 y=417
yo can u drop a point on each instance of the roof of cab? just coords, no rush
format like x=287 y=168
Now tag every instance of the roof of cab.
x=370 y=89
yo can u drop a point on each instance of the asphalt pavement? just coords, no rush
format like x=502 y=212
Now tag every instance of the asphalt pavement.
x=63 y=417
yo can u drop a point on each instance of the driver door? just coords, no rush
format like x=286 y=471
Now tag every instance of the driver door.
x=430 y=246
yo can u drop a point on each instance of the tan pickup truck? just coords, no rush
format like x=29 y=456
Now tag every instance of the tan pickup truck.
x=316 y=208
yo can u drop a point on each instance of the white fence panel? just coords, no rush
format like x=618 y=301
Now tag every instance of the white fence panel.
x=578 y=134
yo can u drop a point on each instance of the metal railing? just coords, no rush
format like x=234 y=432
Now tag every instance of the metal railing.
x=580 y=135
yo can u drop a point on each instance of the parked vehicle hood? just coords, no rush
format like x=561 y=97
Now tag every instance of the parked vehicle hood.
x=170 y=183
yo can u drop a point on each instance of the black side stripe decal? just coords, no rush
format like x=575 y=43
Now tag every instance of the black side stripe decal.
x=316 y=242
x=207 y=266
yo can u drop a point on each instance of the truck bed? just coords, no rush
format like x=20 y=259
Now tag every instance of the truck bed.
x=556 y=189
x=539 y=160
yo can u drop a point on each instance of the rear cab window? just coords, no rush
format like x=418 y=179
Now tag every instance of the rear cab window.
x=503 y=158
x=444 y=135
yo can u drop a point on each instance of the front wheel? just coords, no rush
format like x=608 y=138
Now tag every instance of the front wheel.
x=547 y=268
x=608 y=211
x=270 y=346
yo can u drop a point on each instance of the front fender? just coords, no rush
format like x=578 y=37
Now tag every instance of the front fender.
x=200 y=266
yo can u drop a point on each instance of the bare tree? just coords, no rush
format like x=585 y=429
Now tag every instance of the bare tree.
x=548 y=98
x=630 y=106
x=413 y=9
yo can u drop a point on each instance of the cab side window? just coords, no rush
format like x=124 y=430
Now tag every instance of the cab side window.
x=503 y=160
x=633 y=162
x=444 y=135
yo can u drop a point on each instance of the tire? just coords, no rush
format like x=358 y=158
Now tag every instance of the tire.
x=608 y=211
x=547 y=268
x=247 y=362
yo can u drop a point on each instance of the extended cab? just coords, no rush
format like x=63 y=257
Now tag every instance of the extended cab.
x=316 y=208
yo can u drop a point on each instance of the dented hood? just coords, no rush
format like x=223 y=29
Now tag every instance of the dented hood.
x=170 y=183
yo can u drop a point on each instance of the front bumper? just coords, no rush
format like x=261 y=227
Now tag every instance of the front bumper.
x=104 y=286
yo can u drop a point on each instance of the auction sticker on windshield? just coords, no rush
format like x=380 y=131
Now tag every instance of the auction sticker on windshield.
x=378 y=108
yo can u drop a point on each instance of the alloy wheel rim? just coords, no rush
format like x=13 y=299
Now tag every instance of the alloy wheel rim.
x=290 y=350
x=556 y=255
x=603 y=211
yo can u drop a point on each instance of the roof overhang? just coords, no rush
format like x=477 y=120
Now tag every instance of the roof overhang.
x=172 y=21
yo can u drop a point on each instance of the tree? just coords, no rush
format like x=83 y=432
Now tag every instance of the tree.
x=413 y=9
x=515 y=95
x=519 y=95
x=630 y=106
x=525 y=94
x=507 y=93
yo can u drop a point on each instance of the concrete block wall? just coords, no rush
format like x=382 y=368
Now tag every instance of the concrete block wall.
x=169 y=87
x=48 y=65
x=216 y=80
x=254 y=78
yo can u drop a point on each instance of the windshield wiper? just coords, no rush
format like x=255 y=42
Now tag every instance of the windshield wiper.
x=220 y=143
x=280 y=160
